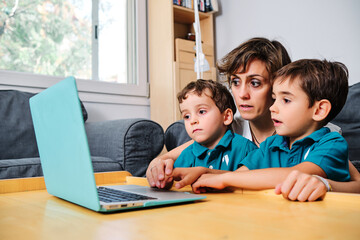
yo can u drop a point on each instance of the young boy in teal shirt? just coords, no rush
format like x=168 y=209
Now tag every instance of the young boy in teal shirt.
x=207 y=108
x=307 y=95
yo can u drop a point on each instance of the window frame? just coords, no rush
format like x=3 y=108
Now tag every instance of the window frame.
x=141 y=89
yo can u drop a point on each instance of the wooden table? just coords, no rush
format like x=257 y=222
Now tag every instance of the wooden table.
x=240 y=215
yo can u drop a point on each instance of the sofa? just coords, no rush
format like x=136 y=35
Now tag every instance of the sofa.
x=125 y=144
x=348 y=119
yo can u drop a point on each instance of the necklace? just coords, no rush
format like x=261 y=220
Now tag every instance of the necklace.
x=254 y=137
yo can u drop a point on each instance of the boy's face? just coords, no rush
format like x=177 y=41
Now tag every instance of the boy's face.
x=290 y=112
x=203 y=120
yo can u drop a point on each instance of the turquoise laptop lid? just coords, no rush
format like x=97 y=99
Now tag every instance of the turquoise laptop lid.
x=62 y=143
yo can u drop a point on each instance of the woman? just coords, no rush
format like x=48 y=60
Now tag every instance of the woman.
x=249 y=69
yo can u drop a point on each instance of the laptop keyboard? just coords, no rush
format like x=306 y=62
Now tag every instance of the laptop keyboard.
x=113 y=195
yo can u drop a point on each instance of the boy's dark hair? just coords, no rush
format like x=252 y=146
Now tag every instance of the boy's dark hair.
x=220 y=94
x=319 y=79
x=272 y=53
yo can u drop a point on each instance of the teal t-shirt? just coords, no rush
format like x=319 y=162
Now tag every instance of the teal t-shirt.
x=328 y=150
x=227 y=154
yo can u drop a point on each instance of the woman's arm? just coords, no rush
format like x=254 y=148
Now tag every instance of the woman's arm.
x=350 y=187
x=161 y=168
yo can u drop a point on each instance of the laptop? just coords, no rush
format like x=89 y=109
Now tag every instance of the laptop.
x=66 y=162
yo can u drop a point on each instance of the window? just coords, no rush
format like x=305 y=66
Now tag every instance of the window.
x=99 y=40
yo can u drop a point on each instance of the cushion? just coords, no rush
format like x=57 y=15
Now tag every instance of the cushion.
x=349 y=121
x=133 y=143
x=17 y=137
x=176 y=135
x=31 y=167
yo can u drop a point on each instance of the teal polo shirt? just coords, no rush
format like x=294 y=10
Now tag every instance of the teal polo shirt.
x=227 y=154
x=326 y=149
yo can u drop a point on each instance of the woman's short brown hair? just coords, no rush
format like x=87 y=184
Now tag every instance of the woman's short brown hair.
x=272 y=53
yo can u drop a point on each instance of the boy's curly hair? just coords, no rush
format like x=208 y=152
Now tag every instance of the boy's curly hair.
x=220 y=94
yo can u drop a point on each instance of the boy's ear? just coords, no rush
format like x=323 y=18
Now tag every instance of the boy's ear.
x=321 y=110
x=228 y=117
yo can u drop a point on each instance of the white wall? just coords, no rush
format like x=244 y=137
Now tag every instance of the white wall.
x=308 y=29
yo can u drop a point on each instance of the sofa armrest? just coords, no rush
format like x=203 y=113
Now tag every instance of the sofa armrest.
x=133 y=143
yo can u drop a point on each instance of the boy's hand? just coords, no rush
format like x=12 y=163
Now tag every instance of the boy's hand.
x=187 y=176
x=159 y=172
x=302 y=187
x=209 y=182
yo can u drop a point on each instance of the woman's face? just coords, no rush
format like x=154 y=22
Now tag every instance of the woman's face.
x=252 y=91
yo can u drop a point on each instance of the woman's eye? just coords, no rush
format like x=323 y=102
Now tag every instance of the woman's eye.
x=255 y=83
x=235 y=82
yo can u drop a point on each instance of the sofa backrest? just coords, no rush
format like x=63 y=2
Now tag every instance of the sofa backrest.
x=176 y=135
x=17 y=137
x=349 y=121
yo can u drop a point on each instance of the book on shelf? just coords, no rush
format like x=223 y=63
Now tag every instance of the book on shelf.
x=203 y=5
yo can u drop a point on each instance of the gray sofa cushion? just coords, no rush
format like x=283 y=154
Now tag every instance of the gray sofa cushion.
x=24 y=167
x=31 y=167
x=349 y=121
x=176 y=135
x=17 y=137
x=131 y=142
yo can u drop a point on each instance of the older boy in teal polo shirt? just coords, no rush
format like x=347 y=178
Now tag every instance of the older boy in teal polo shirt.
x=207 y=108
x=275 y=152
x=307 y=95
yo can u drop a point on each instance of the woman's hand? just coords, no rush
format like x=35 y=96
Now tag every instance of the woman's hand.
x=159 y=173
x=302 y=187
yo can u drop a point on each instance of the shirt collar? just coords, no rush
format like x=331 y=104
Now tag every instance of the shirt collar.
x=225 y=141
x=282 y=141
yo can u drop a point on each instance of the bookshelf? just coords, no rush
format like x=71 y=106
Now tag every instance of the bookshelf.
x=171 y=55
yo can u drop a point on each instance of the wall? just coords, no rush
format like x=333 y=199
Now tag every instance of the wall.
x=308 y=29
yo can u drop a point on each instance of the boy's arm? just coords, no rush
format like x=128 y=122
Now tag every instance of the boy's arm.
x=187 y=176
x=304 y=187
x=162 y=165
x=253 y=179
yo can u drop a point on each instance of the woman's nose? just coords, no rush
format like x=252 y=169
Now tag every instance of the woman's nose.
x=243 y=92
